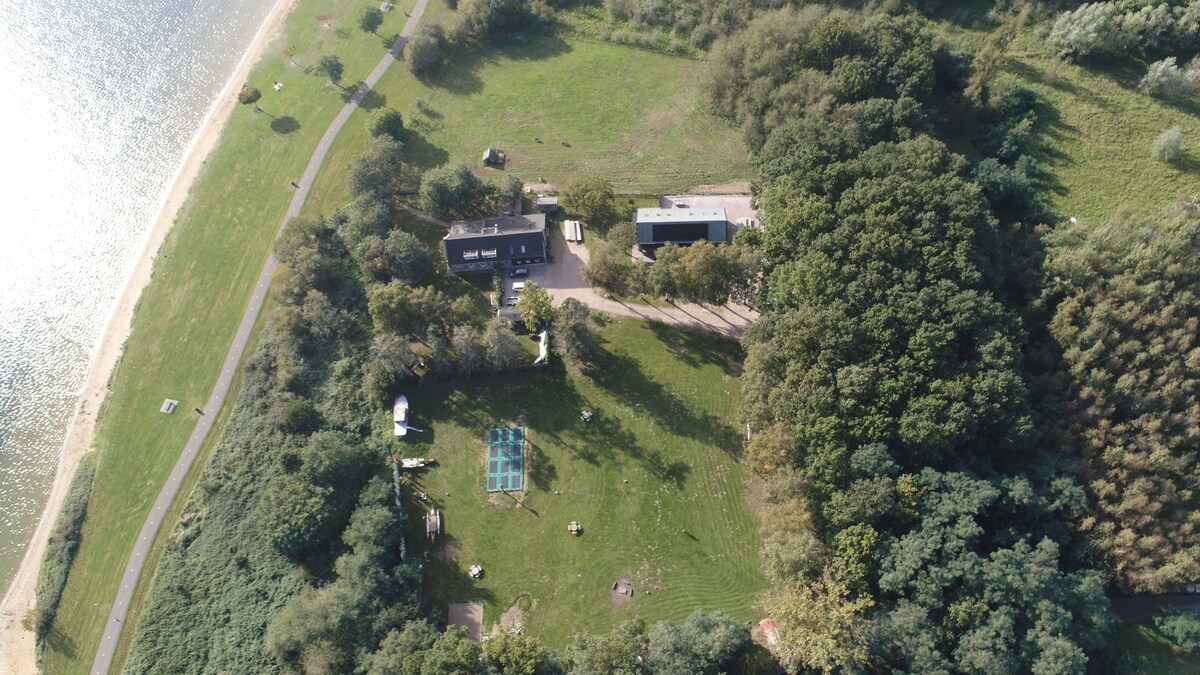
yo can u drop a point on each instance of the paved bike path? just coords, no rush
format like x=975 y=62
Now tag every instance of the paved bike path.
x=116 y=617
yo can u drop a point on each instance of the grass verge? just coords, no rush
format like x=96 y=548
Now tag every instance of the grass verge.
x=189 y=313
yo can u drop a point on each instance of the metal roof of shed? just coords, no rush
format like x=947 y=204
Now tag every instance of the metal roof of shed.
x=679 y=215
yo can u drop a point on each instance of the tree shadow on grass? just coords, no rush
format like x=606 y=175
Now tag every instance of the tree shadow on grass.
x=538 y=468
x=696 y=349
x=284 y=125
x=60 y=643
x=367 y=99
x=421 y=153
x=461 y=75
x=622 y=376
x=445 y=580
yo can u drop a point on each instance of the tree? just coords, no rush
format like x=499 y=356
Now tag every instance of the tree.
x=248 y=95
x=389 y=308
x=292 y=515
x=619 y=652
x=821 y=625
x=1125 y=301
x=331 y=66
x=388 y=361
x=375 y=171
x=1182 y=626
x=502 y=349
x=662 y=280
x=706 y=272
x=388 y=122
x=470 y=353
x=289 y=53
x=401 y=256
x=426 y=50
x=451 y=654
x=534 y=305
x=573 y=334
x=370 y=20
x=704 y=644
x=1167 y=146
x=514 y=654
x=398 y=645
x=591 y=198
x=609 y=267
x=449 y=191
x=300 y=416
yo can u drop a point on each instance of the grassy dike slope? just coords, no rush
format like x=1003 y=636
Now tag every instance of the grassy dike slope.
x=187 y=316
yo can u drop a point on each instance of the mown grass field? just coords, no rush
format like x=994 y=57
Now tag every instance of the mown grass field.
x=1095 y=134
x=188 y=315
x=634 y=117
x=653 y=478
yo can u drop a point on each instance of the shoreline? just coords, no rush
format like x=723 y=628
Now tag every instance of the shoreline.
x=17 y=645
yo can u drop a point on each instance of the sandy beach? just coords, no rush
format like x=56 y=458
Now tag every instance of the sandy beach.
x=17 y=654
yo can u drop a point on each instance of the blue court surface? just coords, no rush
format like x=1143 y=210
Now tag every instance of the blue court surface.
x=506 y=459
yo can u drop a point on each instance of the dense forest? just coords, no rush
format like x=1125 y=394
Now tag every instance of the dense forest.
x=974 y=425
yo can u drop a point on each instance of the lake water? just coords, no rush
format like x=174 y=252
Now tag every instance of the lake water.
x=98 y=104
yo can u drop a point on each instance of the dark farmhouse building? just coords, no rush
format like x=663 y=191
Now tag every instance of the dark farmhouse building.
x=478 y=246
x=682 y=226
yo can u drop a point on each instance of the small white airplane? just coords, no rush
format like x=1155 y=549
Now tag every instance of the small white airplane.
x=400 y=416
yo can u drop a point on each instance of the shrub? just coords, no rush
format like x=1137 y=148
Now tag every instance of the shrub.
x=60 y=550
x=248 y=95
x=1182 y=626
x=1167 y=80
x=1166 y=147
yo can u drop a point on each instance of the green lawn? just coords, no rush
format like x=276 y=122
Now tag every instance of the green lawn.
x=631 y=116
x=189 y=313
x=1096 y=134
x=1137 y=648
x=654 y=480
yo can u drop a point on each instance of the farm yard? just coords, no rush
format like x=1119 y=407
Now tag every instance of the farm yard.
x=653 y=480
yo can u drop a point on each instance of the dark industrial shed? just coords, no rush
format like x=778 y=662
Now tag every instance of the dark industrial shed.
x=683 y=226
x=491 y=243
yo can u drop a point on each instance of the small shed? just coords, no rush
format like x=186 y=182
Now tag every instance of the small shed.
x=491 y=156
x=547 y=204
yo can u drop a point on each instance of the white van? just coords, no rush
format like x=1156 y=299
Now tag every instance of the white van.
x=518 y=286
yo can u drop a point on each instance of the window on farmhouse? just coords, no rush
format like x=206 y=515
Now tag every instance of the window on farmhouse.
x=489 y=253
x=471 y=255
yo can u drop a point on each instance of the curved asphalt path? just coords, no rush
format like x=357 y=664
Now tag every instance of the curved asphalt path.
x=116 y=617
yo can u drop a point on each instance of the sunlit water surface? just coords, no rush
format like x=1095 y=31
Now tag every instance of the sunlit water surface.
x=99 y=102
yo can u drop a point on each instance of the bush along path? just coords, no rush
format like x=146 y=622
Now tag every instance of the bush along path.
x=116 y=618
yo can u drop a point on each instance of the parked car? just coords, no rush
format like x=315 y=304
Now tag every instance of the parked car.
x=518 y=273
x=518 y=287
x=511 y=301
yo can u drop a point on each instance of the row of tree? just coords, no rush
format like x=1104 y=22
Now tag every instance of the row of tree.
x=705 y=643
x=917 y=522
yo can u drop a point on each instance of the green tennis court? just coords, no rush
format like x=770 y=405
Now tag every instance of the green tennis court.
x=506 y=459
